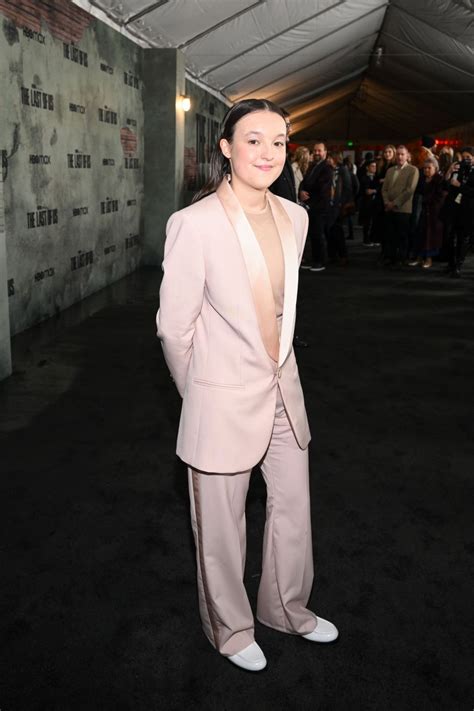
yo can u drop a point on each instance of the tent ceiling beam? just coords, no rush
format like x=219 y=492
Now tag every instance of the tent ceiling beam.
x=428 y=54
x=325 y=100
x=307 y=66
x=309 y=122
x=315 y=92
x=220 y=24
x=384 y=104
x=272 y=37
x=440 y=107
x=327 y=107
x=381 y=124
x=309 y=44
x=392 y=121
x=146 y=11
x=403 y=11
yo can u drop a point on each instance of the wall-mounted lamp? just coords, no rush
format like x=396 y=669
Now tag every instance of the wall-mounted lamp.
x=185 y=103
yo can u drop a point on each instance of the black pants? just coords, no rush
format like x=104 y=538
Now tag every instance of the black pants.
x=458 y=244
x=414 y=222
x=379 y=232
x=368 y=226
x=350 y=227
x=336 y=240
x=318 y=232
x=397 y=226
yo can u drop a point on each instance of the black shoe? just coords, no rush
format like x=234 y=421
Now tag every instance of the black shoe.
x=299 y=343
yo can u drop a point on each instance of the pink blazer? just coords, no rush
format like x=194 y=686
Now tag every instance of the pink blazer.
x=218 y=328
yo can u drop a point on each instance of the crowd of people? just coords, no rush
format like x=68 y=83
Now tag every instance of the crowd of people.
x=415 y=207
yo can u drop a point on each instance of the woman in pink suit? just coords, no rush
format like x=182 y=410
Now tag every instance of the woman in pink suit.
x=226 y=322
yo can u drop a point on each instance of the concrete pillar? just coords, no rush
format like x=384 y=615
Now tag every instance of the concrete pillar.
x=164 y=145
x=5 y=352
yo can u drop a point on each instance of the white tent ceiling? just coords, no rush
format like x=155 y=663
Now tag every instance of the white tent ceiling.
x=317 y=58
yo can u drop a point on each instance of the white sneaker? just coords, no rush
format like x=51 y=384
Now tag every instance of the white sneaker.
x=251 y=658
x=324 y=631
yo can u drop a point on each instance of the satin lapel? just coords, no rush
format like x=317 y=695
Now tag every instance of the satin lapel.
x=290 y=254
x=256 y=268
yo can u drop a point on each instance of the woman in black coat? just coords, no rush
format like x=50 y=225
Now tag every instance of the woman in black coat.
x=429 y=231
x=378 y=222
x=368 y=192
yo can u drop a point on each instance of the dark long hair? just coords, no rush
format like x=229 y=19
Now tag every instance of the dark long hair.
x=219 y=165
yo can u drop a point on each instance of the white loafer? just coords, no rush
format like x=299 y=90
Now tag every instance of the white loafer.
x=324 y=631
x=251 y=658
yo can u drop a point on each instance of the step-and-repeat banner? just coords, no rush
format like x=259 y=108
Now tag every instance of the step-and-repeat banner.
x=71 y=136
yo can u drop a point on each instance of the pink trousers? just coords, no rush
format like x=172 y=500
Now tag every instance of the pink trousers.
x=218 y=522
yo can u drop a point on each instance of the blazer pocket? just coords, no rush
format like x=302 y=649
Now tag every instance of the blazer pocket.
x=211 y=384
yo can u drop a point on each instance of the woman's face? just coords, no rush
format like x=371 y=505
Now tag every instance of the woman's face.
x=429 y=170
x=388 y=153
x=258 y=150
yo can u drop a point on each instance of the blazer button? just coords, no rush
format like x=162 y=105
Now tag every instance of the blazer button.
x=279 y=372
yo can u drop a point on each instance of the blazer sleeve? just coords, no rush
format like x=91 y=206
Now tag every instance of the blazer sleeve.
x=181 y=296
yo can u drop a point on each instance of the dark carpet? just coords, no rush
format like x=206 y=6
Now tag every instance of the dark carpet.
x=98 y=601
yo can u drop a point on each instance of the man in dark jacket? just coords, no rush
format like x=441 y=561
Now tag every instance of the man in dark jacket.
x=285 y=187
x=315 y=191
x=342 y=199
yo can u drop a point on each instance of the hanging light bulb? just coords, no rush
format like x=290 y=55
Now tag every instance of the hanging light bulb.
x=378 y=53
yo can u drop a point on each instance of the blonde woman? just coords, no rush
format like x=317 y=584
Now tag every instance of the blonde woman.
x=388 y=160
x=300 y=165
x=446 y=157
